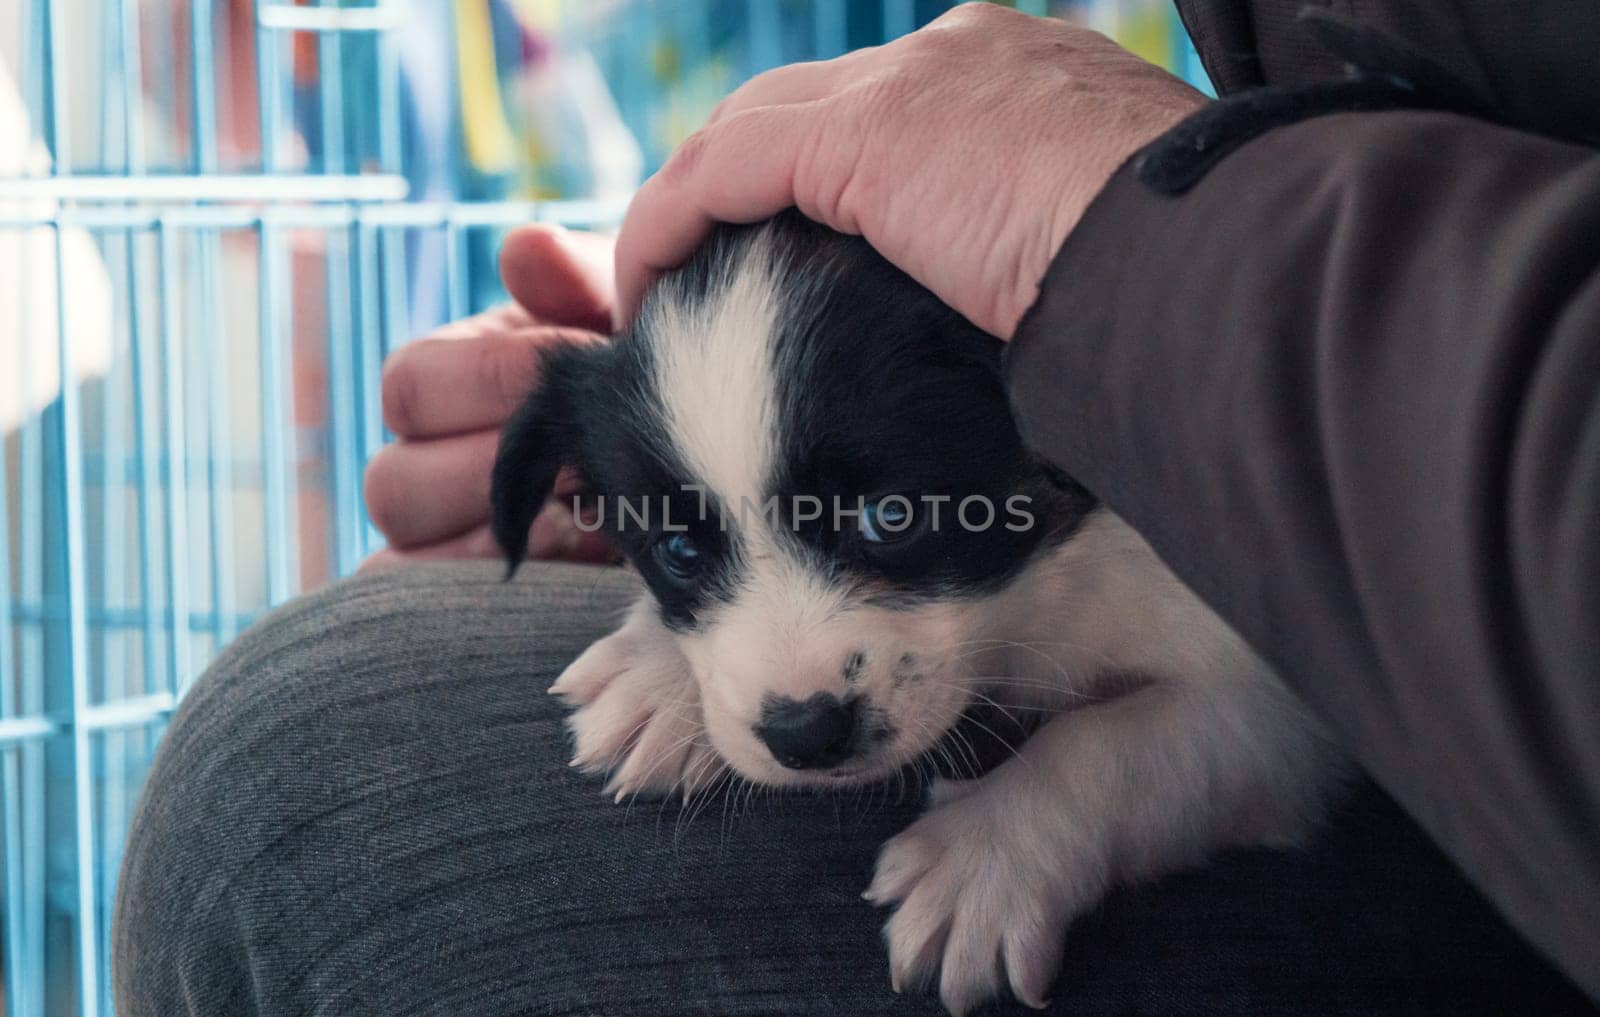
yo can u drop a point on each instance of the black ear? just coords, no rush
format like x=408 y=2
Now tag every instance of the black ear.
x=536 y=441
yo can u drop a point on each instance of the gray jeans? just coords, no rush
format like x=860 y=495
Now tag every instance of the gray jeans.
x=364 y=808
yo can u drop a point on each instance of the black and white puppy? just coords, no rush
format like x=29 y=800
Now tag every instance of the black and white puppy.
x=812 y=463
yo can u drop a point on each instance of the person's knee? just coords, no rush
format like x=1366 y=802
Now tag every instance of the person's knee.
x=301 y=718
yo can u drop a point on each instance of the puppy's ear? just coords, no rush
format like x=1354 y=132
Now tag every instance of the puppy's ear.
x=537 y=440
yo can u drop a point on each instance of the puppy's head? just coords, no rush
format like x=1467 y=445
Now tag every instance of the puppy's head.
x=811 y=462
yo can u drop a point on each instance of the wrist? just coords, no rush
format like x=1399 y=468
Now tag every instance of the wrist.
x=1044 y=238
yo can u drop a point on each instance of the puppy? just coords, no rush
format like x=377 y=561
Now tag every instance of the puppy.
x=812 y=463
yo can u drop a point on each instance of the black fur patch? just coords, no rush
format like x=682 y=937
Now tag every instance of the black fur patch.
x=889 y=391
x=883 y=390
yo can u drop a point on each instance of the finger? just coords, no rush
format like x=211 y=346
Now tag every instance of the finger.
x=475 y=543
x=791 y=83
x=443 y=517
x=436 y=387
x=740 y=169
x=507 y=317
x=421 y=492
x=562 y=277
x=552 y=538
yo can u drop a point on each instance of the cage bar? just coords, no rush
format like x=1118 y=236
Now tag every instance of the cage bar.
x=277 y=485
x=146 y=405
x=157 y=507
x=175 y=438
x=130 y=66
x=69 y=435
x=219 y=443
x=186 y=189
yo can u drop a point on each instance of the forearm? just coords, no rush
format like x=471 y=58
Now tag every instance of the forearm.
x=1349 y=387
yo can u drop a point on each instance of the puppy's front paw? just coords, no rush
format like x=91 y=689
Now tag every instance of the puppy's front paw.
x=638 y=713
x=979 y=900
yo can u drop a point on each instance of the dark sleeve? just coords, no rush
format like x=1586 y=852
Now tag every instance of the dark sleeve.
x=1348 y=386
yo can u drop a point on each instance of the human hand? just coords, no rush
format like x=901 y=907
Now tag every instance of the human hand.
x=964 y=153
x=445 y=397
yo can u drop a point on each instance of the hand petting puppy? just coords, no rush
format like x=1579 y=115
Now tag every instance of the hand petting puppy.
x=964 y=153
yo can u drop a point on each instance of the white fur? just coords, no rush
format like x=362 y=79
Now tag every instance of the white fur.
x=1210 y=751
x=639 y=715
x=715 y=375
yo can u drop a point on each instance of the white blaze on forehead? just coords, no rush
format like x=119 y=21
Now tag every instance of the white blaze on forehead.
x=715 y=363
x=714 y=371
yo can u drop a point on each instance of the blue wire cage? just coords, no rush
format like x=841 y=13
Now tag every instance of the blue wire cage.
x=216 y=218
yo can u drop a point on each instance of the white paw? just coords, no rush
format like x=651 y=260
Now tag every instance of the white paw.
x=980 y=900
x=638 y=713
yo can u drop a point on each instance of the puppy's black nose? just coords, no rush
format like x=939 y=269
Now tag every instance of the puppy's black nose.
x=809 y=734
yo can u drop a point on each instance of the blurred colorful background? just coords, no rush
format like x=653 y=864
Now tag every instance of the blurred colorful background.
x=216 y=218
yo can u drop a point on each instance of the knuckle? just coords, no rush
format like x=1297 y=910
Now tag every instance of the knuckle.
x=400 y=389
x=686 y=158
x=971 y=14
x=381 y=488
x=967 y=29
x=740 y=97
x=502 y=378
x=883 y=94
x=723 y=106
x=860 y=143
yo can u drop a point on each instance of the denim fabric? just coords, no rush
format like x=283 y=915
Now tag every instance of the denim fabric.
x=365 y=808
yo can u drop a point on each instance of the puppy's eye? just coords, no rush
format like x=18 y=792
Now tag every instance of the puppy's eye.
x=678 y=555
x=887 y=520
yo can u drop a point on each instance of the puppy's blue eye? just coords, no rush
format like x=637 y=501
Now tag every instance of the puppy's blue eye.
x=679 y=557
x=886 y=520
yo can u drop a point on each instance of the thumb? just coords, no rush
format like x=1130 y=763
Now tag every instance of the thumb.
x=559 y=276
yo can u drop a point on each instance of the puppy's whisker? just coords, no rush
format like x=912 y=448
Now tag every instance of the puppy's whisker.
x=711 y=767
x=985 y=641
x=703 y=799
x=722 y=790
x=1035 y=651
x=960 y=753
x=1016 y=751
x=737 y=793
x=1007 y=708
x=1064 y=673
x=1009 y=681
x=692 y=769
x=735 y=787
x=1035 y=647
x=970 y=763
x=936 y=742
x=956 y=751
